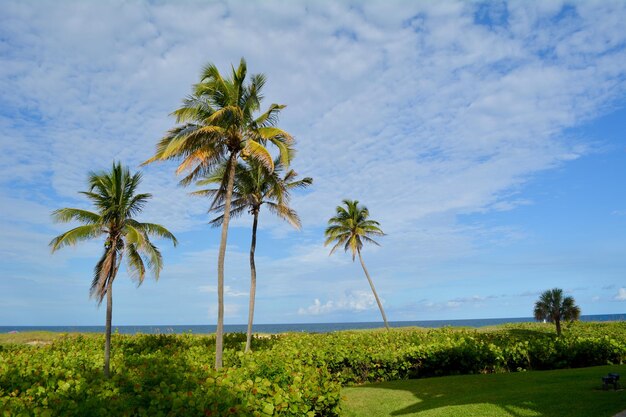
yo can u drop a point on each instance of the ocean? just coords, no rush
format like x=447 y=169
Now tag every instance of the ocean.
x=293 y=327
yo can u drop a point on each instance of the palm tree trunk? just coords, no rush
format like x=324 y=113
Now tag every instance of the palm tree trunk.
x=558 y=327
x=107 y=336
x=107 y=331
x=252 y=281
x=219 y=334
x=380 y=306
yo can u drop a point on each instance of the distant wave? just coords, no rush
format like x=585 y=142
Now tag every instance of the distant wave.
x=294 y=327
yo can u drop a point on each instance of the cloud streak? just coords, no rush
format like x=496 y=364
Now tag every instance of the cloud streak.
x=425 y=111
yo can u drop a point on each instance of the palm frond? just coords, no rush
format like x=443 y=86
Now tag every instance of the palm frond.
x=104 y=272
x=285 y=213
x=259 y=153
x=134 y=264
x=67 y=214
x=153 y=229
x=350 y=227
x=75 y=235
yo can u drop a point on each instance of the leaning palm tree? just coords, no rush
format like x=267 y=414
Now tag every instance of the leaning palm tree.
x=255 y=186
x=553 y=307
x=350 y=228
x=113 y=193
x=217 y=124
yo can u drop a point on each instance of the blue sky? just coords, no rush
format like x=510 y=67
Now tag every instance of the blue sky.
x=487 y=138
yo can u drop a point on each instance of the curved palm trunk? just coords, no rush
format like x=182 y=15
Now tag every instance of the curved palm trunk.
x=107 y=337
x=380 y=306
x=219 y=334
x=252 y=282
x=558 y=327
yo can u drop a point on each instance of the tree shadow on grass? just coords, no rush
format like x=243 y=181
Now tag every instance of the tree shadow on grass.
x=546 y=393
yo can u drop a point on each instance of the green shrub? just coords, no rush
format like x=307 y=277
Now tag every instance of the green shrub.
x=288 y=375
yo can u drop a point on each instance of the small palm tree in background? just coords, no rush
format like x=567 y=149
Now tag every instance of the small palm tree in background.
x=217 y=124
x=553 y=307
x=113 y=194
x=254 y=187
x=350 y=228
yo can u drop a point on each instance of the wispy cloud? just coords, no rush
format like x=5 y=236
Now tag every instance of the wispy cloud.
x=425 y=111
x=353 y=301
x=228 y=291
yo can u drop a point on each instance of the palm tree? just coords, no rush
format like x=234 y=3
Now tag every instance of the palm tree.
x=216 y=124
x=255 y=186
x=350 y=228
x=553 y=307
x=113 y=195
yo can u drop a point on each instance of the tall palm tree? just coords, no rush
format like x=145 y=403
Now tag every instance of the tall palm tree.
x=113 y=194
x=217 y=124
x=254 y=186
x=553 y=307
x=350 y=228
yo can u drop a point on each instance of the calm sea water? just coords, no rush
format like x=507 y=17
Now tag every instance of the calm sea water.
x=296 y=327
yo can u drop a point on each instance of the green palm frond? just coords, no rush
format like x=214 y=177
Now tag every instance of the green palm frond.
x=254 y=186
x=286 y=213
x=218 y=119
x=65 y=215
x=114 y=195
x=270 y=117
x=134 y=264
x=152 y=229
x=258 y=152
x=350 y=227
x=153 y=257
x=234 y=213
x=78 y=234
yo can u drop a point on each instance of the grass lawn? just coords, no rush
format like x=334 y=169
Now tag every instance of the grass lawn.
x=570 y=392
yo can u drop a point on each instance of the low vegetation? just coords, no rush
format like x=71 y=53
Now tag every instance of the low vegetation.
x=287 y=375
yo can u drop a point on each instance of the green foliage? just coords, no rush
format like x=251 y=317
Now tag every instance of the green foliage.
x=159 y=375
x=286 y=375
x=350 y=227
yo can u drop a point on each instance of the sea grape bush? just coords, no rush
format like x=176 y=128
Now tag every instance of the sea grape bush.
x=163 y=375
x=286 y=375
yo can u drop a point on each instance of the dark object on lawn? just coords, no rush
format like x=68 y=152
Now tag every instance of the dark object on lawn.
x=610 y=379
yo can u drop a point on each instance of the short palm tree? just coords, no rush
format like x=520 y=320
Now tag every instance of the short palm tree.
x=217 y=124
x=553 y=307
x=113 y=194
x=255 y=186
x=350 y=228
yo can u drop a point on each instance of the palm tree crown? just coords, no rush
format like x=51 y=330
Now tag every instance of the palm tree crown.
x=255 y=186
x=218 y=120
x=113 y=195
x=350 y=227
x=553 y=307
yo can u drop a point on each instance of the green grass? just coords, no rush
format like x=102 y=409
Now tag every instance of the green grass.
x=570 y=392
x=33 y=338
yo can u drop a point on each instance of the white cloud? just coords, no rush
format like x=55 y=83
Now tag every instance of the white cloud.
x=353 y=301
x=228 y=291
x=415 y=108
x=621 y=294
